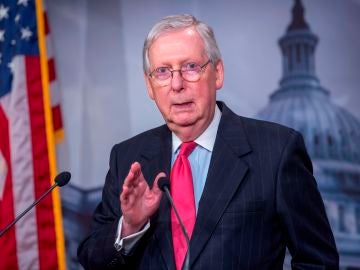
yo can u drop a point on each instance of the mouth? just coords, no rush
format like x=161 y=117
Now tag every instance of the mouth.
x=183 y=105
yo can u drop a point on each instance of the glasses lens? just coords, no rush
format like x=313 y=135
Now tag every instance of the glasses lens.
x=191 y=71
x=161 y=73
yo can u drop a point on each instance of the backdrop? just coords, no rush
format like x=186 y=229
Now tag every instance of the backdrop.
x=98 y=48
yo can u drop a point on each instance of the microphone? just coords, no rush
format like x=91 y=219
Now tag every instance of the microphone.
x=60 y=180
x=164 y=185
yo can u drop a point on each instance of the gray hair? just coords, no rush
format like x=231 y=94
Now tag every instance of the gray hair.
x=176 y=22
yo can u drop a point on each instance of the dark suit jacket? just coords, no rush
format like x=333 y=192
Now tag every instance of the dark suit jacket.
x=259 y=198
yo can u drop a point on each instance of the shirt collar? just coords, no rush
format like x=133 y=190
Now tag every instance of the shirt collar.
x=206 y=139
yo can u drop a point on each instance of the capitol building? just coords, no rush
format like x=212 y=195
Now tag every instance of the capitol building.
x=331 y=134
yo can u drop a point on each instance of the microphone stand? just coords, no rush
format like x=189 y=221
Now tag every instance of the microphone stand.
x=186 y=265
x=60 y=180
x=27 y=210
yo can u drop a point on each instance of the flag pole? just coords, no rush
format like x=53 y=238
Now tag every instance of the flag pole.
x=60 y=244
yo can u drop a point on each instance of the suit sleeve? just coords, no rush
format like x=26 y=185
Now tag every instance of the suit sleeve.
x=97 y=251
x=301 y=209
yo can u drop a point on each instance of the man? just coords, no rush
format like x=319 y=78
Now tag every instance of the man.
x=251 y=191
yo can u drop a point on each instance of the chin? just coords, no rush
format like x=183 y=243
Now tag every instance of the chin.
x=182 y=122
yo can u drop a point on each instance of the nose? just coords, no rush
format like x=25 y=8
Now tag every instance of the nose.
x=177 y=81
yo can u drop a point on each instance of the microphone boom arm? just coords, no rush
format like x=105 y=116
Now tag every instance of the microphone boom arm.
x=27 y=210
x=60 y=180
x=187 y=257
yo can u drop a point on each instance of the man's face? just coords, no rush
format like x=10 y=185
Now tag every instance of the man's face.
x=187 y=107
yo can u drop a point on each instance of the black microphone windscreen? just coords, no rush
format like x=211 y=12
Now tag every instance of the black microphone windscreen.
x=62 y=178
x=163 y=182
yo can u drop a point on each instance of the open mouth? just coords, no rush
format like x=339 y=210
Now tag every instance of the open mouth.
x=183 y=105
x=186 y=106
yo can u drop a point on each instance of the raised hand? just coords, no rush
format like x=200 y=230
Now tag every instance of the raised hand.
x=138 y=202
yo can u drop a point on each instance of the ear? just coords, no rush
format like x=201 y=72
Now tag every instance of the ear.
x=219 y=73
x=149 y=86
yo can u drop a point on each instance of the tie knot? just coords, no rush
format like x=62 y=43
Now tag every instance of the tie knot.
x=186 y=148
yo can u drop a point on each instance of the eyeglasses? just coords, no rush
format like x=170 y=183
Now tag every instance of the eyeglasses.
x=190 y=72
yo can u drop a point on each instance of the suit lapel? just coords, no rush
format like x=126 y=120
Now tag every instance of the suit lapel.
x=156 y=157
x=226 y=172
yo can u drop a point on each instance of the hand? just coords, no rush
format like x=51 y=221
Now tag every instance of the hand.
x=138 y=202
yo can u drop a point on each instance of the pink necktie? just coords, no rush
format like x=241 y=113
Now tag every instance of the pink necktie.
x=182 y=191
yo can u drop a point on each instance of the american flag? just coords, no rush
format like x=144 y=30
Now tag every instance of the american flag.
x=30 y=122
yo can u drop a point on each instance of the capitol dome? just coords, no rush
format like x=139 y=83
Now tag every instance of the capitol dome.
x=331 y=134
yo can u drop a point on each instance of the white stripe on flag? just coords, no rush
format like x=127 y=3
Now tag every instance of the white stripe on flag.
x=55 y=94
x=3 y=173
x=17 y=111
x=49 y=47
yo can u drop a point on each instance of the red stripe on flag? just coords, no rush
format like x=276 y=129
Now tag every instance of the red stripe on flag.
x=8 y=240
x=46 y=22
x=57 y=120
x=51 y=67
x=45 y=214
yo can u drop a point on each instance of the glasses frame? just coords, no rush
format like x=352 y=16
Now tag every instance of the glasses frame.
x=166 y=82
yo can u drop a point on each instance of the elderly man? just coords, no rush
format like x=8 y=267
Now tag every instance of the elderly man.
x=243 y=188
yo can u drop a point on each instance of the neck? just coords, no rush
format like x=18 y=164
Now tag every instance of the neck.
x=186 y=134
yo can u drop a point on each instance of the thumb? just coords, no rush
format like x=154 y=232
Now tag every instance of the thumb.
x=155 y=187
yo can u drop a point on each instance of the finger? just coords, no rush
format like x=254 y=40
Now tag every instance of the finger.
x=127 y=199
x=155 y=188
x=127 y=188
x=130 y=179
x=124 y=194
x=130 y=192
x=139 y=183
x=136 y=170
x=134 y=184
